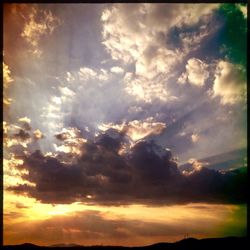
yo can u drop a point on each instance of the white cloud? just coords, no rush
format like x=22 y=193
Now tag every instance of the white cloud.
x=86 y=73
x=137 y=129
x=155 y=61
x=24 y=119
x=56 y=100
x=229 y=83
x=130 y=29
x=117 y=70
x=65 y=91
x=117 y=32
x=196 y=73
x=131 y=34
x=145 y=90
x=136 y=33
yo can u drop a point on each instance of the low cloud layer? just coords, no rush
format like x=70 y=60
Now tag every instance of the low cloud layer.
x=146 y=174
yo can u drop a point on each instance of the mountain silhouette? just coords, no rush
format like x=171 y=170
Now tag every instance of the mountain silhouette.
x=240 y=243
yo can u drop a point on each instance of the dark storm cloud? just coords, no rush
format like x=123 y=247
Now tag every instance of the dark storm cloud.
x=22 y=135
x=17 y=150
x=146 y=174
x=61 y=136
x=152 y=163
x=111 y=139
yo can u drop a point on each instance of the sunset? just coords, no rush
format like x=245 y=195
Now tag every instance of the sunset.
x=124 y=124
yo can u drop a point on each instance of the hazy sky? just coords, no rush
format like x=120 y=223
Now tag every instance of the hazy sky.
x=124 y=123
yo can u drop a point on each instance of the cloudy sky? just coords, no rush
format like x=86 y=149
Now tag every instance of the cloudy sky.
x=124 y=124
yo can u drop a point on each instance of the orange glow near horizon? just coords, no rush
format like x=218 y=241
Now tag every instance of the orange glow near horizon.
x=165 y=223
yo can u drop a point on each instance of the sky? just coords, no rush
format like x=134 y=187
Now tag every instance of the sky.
x=124 y=124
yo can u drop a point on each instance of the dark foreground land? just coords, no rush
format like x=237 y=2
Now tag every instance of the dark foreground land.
x=190 y=243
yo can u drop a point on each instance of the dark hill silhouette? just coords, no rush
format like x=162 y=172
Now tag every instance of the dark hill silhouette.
x=66 y=245
x=239 y=243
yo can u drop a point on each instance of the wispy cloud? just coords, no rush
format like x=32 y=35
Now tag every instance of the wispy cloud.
x=6 y=81
x=38 y=24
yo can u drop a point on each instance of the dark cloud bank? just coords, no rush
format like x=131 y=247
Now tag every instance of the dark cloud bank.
x=146 y=174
